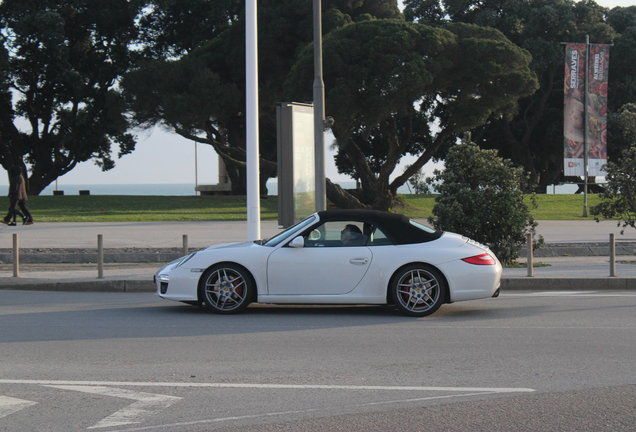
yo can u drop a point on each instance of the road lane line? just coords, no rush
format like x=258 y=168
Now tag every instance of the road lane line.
x=146 y=404
x=9 y=405
x=267 y=386
x=309 y=410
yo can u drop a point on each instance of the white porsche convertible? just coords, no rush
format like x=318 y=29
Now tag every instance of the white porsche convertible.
x=338 y=257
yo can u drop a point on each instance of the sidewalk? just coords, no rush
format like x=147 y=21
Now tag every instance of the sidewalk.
x=579 y=273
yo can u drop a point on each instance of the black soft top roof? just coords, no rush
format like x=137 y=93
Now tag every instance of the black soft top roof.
x=396 y=226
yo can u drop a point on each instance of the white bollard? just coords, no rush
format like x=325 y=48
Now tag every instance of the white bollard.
x=185 y=244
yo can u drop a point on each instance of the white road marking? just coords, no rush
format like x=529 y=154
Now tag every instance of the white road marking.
x=266 y=386
x=9 y=405
x=146 y=404
x=282 y=413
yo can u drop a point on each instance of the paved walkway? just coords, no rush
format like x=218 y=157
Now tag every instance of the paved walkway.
x=202 y=234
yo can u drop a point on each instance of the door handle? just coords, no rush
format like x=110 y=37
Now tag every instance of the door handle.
x=359 y=261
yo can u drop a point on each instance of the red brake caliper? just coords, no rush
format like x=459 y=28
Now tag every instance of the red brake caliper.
x=406 y=295
x=236 y=283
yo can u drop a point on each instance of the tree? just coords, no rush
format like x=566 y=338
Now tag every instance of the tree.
x=59 y=68
x=619 y=198
x=622 y=85
x=481 y=196
x=172 y=28
x=418 y=181
x=533 y=137
x=197 y=90
x=388 y=82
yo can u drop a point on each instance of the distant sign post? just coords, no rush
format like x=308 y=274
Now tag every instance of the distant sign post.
x=296 y=162
x=585 y=109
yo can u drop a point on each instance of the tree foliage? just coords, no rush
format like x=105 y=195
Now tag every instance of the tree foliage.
x=481 y=196
x=533 y=137
x=59 y=64
x=389 y=81
x=619 y=198
x=198 y=90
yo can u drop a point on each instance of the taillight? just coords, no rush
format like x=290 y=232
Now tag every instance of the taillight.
x=483 y=259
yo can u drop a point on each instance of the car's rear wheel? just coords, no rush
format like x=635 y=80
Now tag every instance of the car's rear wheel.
x=418 y=290
x=226 y=288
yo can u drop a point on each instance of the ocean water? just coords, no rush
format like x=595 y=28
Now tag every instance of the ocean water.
x=181 y=189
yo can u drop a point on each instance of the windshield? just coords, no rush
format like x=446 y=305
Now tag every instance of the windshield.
x=274 y=241
x=422 y=227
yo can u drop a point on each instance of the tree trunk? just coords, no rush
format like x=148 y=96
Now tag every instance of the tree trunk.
x=341 y=198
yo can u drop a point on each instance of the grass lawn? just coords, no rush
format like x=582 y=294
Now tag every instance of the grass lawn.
x=128 y=208
x=550 y=207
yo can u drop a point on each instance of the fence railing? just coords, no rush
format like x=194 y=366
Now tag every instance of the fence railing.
x=100 y=254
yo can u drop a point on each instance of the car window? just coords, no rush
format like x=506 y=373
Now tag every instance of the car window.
x=422 y=227
x=378 y=238
x=274 y=241
x=337 y=234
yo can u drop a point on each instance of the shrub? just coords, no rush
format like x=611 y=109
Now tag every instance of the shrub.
x=481 y=196
x=619 y=198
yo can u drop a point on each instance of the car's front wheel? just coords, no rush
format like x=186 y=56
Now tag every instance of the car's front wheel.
x=226 y=288
x=418 y=290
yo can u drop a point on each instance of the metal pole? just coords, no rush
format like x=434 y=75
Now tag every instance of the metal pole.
x=185 y=244
x=100 y=256
x=196 y=167
x=319 y=111
x=585 y=132
x=530 y=258
x=16 y=256
x=612 y=250
x=251 y=111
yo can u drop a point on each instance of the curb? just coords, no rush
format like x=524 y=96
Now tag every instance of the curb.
x=626 y=249
x=580 y=249
x=568 y=284
x=91 y=285
x=140 y=286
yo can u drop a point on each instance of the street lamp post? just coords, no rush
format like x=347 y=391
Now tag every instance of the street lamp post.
x=319 y=111
x=586 y=124
x=251 y=117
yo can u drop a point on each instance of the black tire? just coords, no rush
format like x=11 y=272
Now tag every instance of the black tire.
x=418 y=290
x=226 y=288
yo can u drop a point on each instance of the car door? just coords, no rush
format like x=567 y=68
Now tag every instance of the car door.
x=324 y=266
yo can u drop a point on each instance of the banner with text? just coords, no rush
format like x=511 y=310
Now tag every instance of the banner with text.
x=574 y=109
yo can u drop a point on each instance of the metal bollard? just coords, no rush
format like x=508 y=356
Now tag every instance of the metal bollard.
x=16 y=256
x=185 y=244
x=612 y=252
x=100 y=257
x=530 y=257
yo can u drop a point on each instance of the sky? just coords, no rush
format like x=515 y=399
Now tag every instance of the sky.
x=162 y=157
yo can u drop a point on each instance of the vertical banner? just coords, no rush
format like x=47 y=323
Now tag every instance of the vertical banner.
x=574 y=110
x=597 y=109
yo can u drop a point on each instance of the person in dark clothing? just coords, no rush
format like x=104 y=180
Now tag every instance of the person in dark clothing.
x=17 y=198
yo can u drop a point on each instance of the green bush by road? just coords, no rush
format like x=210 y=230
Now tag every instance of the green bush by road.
x=128 y=208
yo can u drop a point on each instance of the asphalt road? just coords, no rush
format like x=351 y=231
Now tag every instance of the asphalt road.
x=526 y=361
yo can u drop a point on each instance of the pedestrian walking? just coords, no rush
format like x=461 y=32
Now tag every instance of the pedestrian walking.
x=17 y=198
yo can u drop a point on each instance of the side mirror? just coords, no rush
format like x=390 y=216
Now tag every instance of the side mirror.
x=298 y=242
